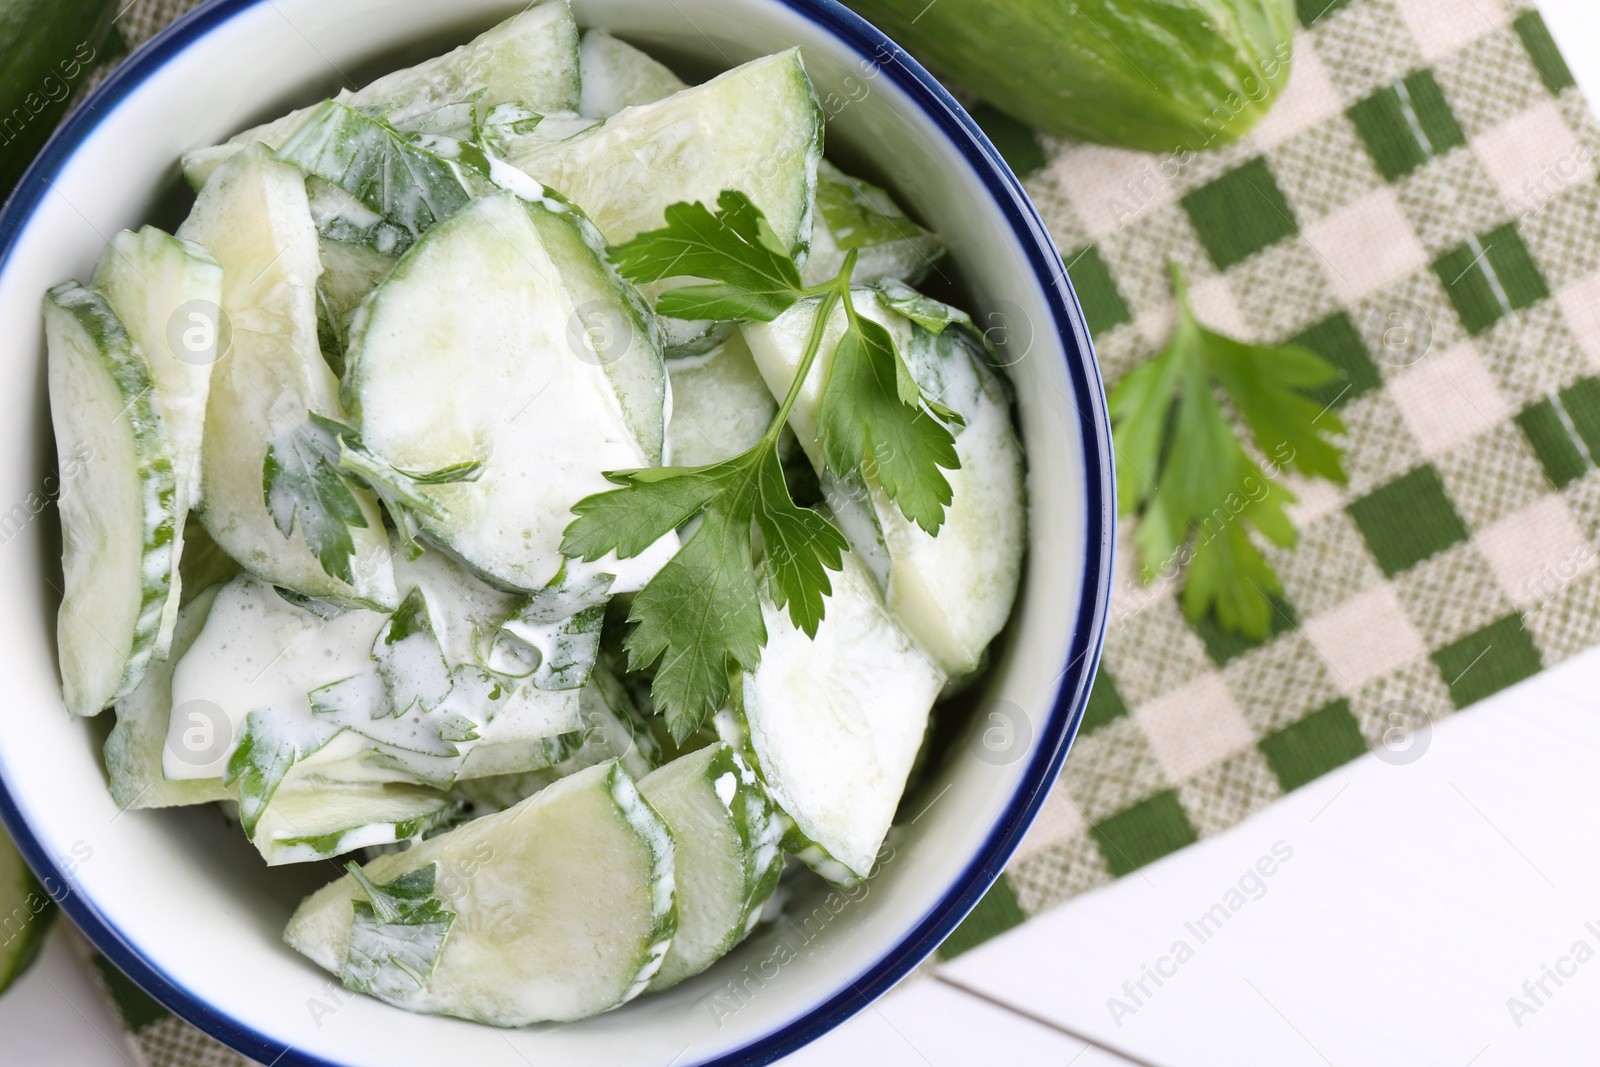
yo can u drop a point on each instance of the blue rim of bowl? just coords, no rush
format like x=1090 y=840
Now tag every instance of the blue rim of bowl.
x=1088 y=632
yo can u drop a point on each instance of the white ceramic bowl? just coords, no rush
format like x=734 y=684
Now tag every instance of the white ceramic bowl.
x=182 y=903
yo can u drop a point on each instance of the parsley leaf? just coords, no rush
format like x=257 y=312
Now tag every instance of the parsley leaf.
x=700 y=617
x=302 y=484
x=311 y=475
x=267 y=747
x=397 y=935
x=932 y=315
x=867 y=423
x=874 y=417
x=403 y=492
x=400 y=180
x=801 y=546
x=736 y=247
x=1184 y=472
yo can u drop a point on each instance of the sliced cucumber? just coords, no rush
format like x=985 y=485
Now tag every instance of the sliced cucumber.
x=253 y=217
x=609 y=727
x=563 y=907
x=27 y=910
x=134 y=752
x=686 y=338
x=517 y=737
x=617 y=75
x=497 y=792
x=854 y=214
x=833 y=724
x=531 y=58
x=477 y=349
x=728 y=834
x=952 y=592
x=756 y=129
x=720 y=404
x=118 y=500
x=311 y=819
x=168 y=294
x=349 y=272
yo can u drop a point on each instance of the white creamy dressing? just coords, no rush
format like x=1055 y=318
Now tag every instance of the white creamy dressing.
x=258 y=652
x=513 y=180
x=465 y=612
x=726 y=786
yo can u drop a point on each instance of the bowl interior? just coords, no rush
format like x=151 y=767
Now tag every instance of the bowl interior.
x=183 y=902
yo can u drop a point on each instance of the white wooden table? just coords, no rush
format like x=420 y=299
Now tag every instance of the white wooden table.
x=1419 y=901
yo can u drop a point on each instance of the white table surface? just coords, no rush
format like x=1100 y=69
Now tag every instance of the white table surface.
x=1418 y=900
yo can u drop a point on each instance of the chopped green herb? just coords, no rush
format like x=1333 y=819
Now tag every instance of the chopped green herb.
x=398 y=702
x=407 y=184
x=1184 y=472
x=398 y=933
x=310 y=477
x=267 y=748
x=860 y=214
x=302 y=485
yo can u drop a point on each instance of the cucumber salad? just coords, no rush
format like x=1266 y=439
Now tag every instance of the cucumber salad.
x=533 y=484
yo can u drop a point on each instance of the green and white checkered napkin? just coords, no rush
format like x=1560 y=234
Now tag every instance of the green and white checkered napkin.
x=1422 y=209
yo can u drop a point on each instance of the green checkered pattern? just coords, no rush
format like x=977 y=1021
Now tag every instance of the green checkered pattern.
x=1422 y=209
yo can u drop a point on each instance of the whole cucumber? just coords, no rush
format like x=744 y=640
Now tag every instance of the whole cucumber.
x=25 y=914
x=1157 y=75
x=46 y=49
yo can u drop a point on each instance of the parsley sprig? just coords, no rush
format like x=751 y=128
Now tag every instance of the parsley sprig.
x=700 y=616
x=1184 y=472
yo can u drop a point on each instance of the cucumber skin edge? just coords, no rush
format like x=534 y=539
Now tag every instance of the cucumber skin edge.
x=124 y=362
